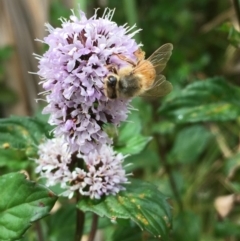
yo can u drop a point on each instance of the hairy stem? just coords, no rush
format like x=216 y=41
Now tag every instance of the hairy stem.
x=93 y=227
x=80 y=218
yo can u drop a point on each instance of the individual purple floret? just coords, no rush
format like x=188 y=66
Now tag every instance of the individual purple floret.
x=73 y=71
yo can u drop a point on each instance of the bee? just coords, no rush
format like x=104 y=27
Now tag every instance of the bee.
x=142 y=78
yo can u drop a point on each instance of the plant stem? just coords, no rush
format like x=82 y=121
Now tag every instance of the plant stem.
x=168 y=169
x=236 y=5
x=39 y=231
x=166 y=165
x=93 y=227
x=79 y=221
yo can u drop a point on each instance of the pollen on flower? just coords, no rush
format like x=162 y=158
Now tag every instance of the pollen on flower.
x=101 y=171
x=72 y=72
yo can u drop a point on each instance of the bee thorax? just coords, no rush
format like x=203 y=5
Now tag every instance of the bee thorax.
x=129 y=86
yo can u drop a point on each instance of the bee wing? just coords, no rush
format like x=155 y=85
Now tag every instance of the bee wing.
x=160 y=88
x=161 y=56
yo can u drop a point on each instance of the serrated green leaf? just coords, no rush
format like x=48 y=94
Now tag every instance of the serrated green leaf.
x=142 y=202
x=209 y=100
x=22 y=202
x=22 y=133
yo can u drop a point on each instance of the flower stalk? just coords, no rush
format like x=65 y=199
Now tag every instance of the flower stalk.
x=80 y=219
x=93 y=227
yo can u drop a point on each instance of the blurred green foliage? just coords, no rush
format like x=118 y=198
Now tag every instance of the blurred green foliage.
x=7 y=95
x=194 y=154
x=233 y=34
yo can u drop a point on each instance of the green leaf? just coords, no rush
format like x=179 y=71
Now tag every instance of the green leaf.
x=22 y=202
x=209 y=100
x=146 y=159
x=130 y=140
x=22 y=133
x=134 y=145
x=127 y=230
x=190 y=142
x=142 y=202
x=163 y=127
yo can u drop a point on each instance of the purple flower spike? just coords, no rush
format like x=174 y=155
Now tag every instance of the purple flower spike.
x=73 y=71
